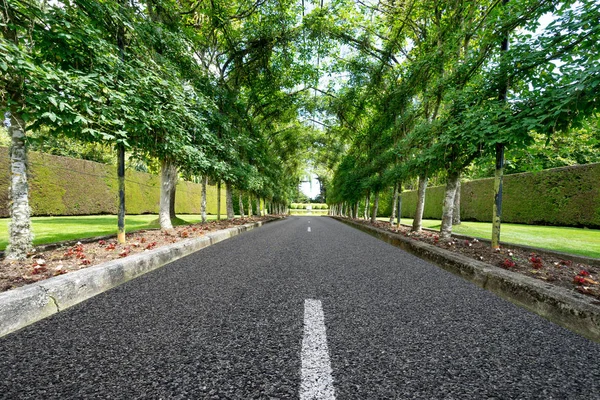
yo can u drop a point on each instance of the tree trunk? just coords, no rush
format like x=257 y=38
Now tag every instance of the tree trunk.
x=241 y=200
x=172 y=200
x=121 y=178
x=167 y=172
x=448 y=208
x=367 y=204
x=258 y=209
x=229 y=200
x=249 y=205
x=498 y=178
x=418 y=221
x=375 y=207
x=456 y=215
x=394 y=203
x=20 y=237
x=499 y=174
x=399 y=204
x=203 y=204
x=219 y=200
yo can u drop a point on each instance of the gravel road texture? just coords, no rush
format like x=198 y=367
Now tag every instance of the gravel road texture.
x=227 y=323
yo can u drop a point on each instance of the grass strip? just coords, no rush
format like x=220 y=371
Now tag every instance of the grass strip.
x=581 y=241
x=57 y=229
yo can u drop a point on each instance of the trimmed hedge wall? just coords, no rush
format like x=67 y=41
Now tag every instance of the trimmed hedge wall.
x=68 y=186
x=566 y=196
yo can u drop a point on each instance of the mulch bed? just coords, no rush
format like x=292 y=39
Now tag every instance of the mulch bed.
x=580 y=277
x=45 y=264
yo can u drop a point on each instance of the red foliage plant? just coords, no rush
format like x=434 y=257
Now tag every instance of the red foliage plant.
x=536 y=262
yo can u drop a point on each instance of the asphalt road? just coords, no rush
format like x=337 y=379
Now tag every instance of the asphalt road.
x=228 y=322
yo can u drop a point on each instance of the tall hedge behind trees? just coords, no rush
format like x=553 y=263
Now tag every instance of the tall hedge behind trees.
x=567 y=196
x=68 y=186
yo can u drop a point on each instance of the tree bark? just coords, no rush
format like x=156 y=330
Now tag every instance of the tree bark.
x=241 y=200
x=20 y=237
x=219 y=200
x=497 y=209
x=398 y=219
x=394 y=203
x=203 y=204
x=167 y=171
x=258 y=208
x=456 y=215
x=229 y=201
x=249 y=205
x=172 y=200
x=121 y=179
x=448 y=208
x=418 y=220
x=367 y=204
x=499 y=173
x=375 y=207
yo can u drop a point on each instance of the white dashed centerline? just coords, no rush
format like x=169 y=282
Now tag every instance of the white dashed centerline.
x=309 y=228
x=317 y=381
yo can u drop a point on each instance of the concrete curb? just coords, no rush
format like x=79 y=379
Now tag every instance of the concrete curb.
x=25 y=305
x=569 y=309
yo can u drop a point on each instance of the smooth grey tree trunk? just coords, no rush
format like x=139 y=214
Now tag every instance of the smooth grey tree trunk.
x=167 y=173
x=241 y=200
x=448 y=208
x=375 y=207
x=229 y=200
x=394 y=204
x=418 y=220
x=367 y=205
x=219 y=200
x=20 y=236
x=172 y=201
x=456 y=215
x=203 y=204
x=250 y=205
x=121 y=181
x=258 y=209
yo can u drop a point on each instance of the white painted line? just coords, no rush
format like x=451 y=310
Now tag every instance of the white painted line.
x=317 y=382
x=309 y=228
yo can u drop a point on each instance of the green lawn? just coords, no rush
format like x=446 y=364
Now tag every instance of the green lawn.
x=585 y=242
x=57 y=229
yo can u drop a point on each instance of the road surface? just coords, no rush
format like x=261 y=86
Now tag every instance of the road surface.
x=305 y=308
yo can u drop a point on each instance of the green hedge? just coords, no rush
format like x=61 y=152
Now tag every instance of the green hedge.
x=303 y=206
x=567 y=196
x=67 y=186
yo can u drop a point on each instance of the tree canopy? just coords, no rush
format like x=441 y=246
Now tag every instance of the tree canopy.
x=370 y=94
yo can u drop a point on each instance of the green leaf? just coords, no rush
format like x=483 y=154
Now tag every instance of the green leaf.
x=50 y=116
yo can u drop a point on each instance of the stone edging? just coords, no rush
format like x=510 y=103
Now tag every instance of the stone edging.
x=559 y=305
x=27 y=304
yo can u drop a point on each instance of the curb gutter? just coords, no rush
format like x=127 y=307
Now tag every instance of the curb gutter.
x=571 y=310
x=28 y=304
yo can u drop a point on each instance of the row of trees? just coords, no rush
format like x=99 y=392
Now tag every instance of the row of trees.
x=433 y=87
x=206 y=89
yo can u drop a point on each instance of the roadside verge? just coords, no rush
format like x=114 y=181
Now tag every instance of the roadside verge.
x=27 y=304
x=561 y=306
